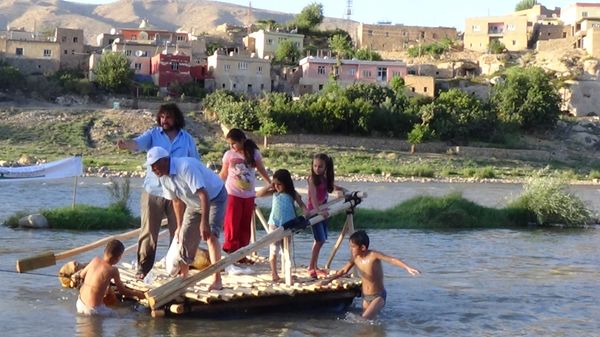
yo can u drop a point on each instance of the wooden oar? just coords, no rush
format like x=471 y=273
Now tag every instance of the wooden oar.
x=50 y=258
x=165 y=293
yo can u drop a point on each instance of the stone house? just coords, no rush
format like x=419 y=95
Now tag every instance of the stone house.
x=240 y=72
x=387 y=37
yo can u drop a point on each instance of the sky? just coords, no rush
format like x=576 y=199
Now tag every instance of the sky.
x=448 y=13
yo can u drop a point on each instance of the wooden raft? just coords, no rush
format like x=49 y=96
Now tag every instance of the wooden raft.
x=253 y=288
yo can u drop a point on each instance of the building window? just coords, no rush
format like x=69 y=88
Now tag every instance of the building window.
x=297 y=44
x=243 y=65
x=63 y=39
x=594 y=25
x=262 y=86
x=223 y=86
x=259 y=70
x=320 y=87
x=66 y=52
x=72 y=51
x=227 y=67
x=270 y=42
x=514 y=42
x=369 y=33
x=422 y=35
x=584 y=14
x=249 y=88
x=128 y=53
x=47 y=53
x=133 y=37
x=404 y=33
x=321 y=70
x=381 y=73
x=174 y=65
x=475 y=28
x=366 y=73
x=75 y=39
x=511 y=27
x=424 y=89
x=352 y=72
x=19 y=51
x=180 y=38
x=396 y=74
x=234 y=85
x=138 y=66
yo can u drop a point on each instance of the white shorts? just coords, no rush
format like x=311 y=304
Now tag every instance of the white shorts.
x=101 y=310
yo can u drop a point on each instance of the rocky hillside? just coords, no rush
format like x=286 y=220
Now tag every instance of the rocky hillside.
x=191 y=15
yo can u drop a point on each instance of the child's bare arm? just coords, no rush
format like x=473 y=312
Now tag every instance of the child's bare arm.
x=265 y=191
x=396 y=262
x=345 y=269
x=123 y=289
x=300 y=203
x=260 y=167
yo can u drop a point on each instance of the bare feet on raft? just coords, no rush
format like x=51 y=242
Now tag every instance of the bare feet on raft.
x=275 y=277
x=216 y=285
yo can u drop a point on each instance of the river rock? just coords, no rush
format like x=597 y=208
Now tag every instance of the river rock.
x=25 y=160
x=34 y=221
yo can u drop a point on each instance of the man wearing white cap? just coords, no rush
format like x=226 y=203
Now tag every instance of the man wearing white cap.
x=168 y=134
x=199 y=198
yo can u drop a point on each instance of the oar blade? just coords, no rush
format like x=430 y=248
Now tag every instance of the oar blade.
x=35 y=262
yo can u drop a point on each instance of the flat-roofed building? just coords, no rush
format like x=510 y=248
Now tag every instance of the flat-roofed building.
x=516 y=31
x=316 y=72
x=387 y=37
x=265 y=42
x=240 y=72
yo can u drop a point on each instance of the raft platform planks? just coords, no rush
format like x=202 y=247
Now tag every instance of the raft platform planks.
x=250 y=292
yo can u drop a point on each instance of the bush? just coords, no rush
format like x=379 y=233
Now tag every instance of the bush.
x=547 y=199
x=450 y=211
x=85 y=217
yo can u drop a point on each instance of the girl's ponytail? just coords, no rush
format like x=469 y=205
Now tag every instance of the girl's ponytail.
x=250 y=146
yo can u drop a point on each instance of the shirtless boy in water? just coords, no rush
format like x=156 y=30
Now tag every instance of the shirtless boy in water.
x=96 y=278
x=368 y=263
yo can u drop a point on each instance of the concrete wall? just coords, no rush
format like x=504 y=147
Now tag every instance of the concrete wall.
x=422 y=85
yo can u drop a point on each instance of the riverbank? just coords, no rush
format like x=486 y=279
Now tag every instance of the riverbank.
x=31 y=135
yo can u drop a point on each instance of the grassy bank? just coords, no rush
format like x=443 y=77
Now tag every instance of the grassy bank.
x=83 y=217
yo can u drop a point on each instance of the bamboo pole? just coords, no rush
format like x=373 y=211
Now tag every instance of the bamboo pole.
x=348 y=225
x=50 y=258
x=162 y=295
x=286 y=261
x=262 y=219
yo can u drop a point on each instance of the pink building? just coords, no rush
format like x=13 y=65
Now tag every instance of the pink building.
x=316 y=71
x=169 y=68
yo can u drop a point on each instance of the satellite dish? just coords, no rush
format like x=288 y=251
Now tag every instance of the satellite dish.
x=139 y=53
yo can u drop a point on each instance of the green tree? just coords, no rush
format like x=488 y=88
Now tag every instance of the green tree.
x=525 y=4
x=287 y=53
x=527 y=99
x=114 y=72
x=418 y=135
x=367 y=55
x=310 y=17
x=269 y=24
x=341 y=45
x=496 y=47
x=457 y=115
x=10 y=77
x=397 y=85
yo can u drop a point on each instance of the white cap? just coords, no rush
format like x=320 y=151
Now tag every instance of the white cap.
x=154 y=154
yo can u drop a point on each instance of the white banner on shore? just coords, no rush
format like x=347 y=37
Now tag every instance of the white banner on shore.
x=69 y=167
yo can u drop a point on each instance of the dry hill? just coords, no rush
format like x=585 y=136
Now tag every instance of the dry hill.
x=191 y=15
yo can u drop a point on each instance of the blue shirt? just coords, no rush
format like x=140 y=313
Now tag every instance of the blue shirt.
x=282 y=209
x=183 y=145
x=186 y=176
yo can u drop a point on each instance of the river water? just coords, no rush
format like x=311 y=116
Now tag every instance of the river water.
x=531 y=282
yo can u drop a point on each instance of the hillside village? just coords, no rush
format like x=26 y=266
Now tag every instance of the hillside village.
x=241 y=58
